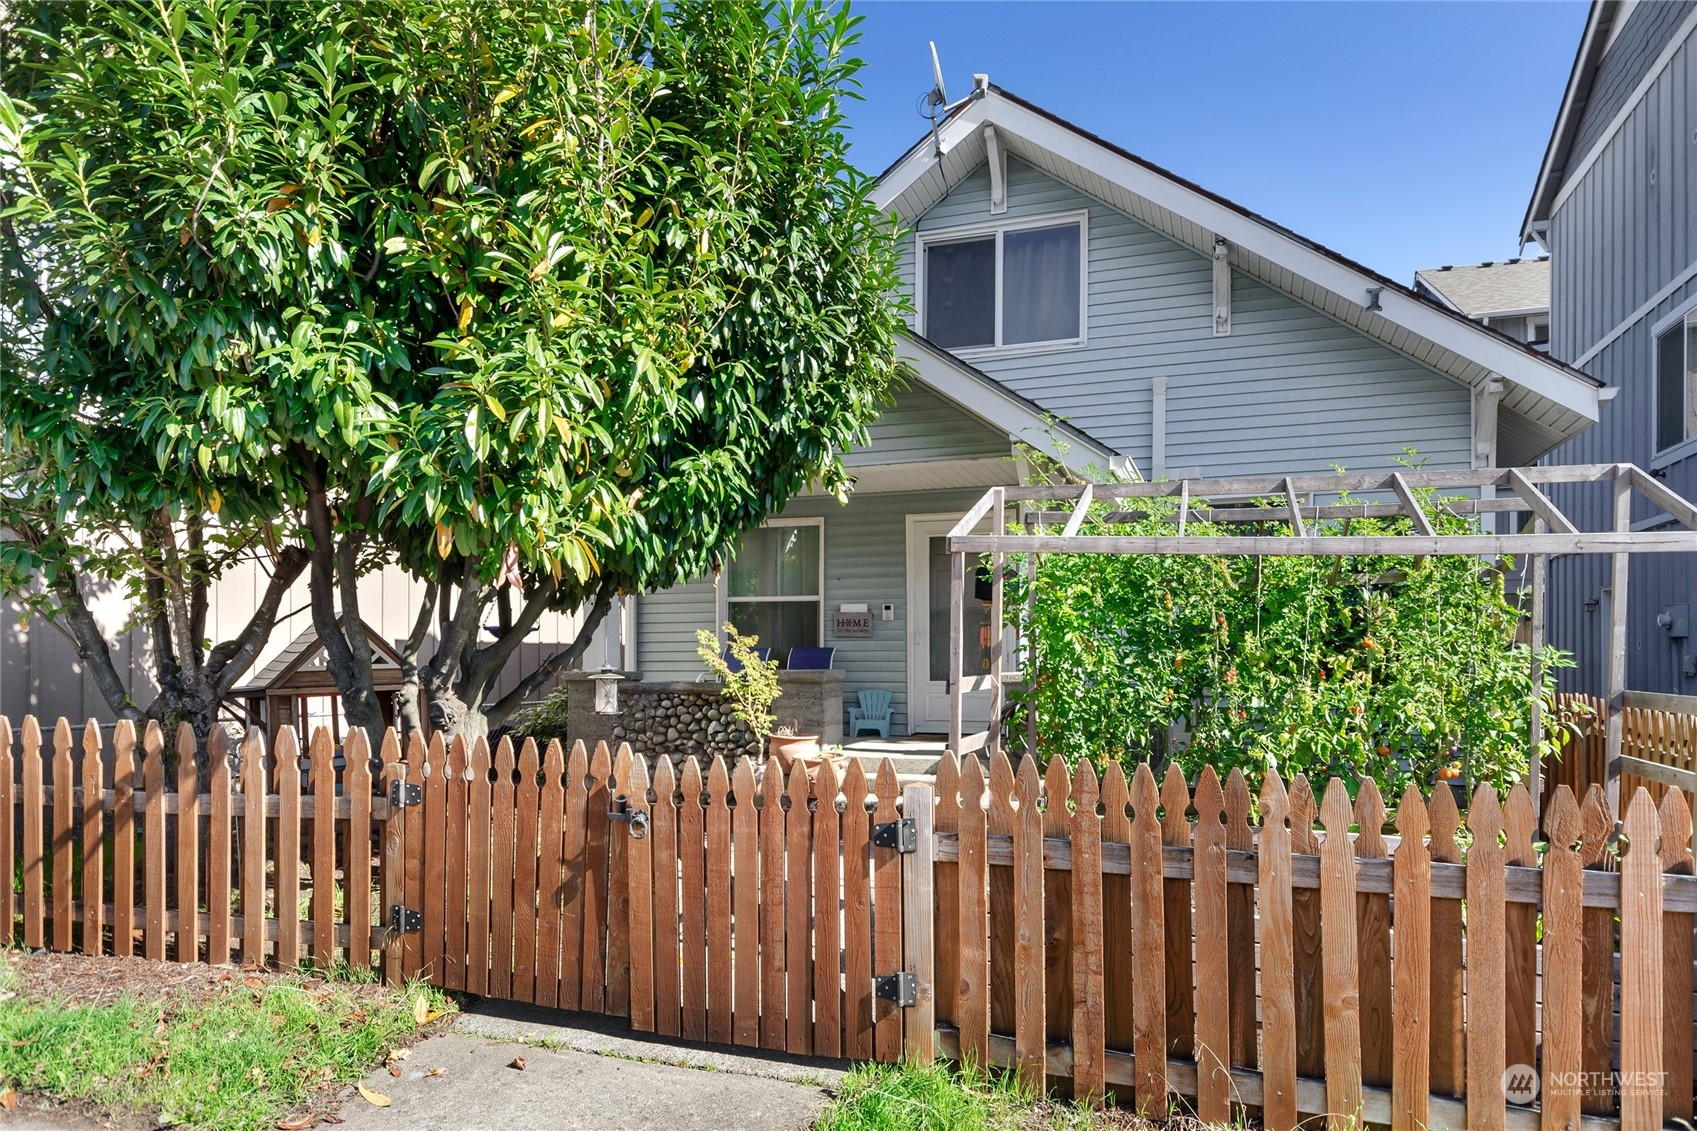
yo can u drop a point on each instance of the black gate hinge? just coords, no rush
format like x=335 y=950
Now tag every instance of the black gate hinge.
x=902 y=835
x=404 y=793
x=900 y=987
x=404 y=920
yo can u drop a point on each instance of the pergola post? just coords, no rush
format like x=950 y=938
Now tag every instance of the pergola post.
x=957 y=595
x=1535 y=776
x=998 y=515
x=1620 y=570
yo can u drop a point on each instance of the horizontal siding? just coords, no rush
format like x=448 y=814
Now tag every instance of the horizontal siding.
x=920 y=426
x=1630 y=224
x=865 y=560
x=40 y=671
x=666 y=624
x=1290 y=389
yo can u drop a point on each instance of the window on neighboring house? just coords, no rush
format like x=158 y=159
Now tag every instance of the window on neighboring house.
x=1539 y=333
x=1015 y=285
x=775 y=586
x=1676 y=374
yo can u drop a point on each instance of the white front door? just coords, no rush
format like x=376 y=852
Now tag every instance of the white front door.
x=928 y=633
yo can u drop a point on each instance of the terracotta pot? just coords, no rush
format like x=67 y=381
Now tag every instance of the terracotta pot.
x=786 y=748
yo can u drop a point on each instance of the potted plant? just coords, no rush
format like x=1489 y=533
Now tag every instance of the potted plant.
x=751 y=686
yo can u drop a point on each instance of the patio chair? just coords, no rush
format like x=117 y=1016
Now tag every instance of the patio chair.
x=872 y=714
x=763 y=651
x=811 y=659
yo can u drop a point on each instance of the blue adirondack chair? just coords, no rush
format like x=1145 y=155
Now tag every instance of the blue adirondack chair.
x=872 y=714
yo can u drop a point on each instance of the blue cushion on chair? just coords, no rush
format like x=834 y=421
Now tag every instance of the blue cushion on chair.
x=811 y=659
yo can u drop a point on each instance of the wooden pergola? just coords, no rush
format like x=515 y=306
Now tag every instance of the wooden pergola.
x=1293 y=499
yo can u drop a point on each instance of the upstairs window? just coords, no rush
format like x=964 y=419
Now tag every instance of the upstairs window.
x=1676 y=374
x=1013 y=285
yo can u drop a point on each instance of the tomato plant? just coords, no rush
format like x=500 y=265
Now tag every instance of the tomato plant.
x=1383 y=667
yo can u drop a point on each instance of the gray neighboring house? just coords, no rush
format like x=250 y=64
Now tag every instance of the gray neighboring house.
x=1511 y=296
x=1075 y=298
x=1615 y=205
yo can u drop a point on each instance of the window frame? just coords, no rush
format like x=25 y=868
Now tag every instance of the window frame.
x=723 y=587
x=924 y=240
x=1684 y=315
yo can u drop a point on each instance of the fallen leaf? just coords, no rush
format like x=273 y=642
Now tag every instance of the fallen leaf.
x=297 y=1123
x=420 y=1009
x=397 y=1055
x=517 y=1062
x=395 y=1071
x=375 y=1099
x=436 y=1071
x=334 y=1119
x=253 y=983
x=434 y=1014
x=9 y=1099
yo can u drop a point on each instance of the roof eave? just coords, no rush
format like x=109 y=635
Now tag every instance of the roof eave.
x=1578 y=91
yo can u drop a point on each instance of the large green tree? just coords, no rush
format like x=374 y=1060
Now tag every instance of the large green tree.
x=151 y=248
x=548 y=303
x=653 y=299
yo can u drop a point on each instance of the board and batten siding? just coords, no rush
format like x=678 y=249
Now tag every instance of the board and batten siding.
x=1290 y=389
x=1629 y=225
x=1625 y=232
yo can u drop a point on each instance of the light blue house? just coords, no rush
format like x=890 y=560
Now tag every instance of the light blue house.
x=1074 y=299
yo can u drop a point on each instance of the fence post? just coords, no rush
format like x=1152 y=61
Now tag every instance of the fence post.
x=392 y=859
x=918 y=943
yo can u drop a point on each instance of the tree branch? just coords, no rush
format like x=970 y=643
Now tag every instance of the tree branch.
x=559 y=661
x=487 y=662
x=91 y=645
x=231 y=659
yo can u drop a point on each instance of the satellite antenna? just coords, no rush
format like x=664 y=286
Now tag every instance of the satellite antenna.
x=936 y=100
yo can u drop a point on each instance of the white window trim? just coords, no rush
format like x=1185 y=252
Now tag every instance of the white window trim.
x=1684 y=313
x=925 y=239
x=722 y=585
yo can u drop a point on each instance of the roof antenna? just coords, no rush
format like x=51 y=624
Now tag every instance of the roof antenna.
x=936 y=100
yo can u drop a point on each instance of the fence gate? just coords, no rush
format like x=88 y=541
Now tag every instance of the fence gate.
x=732 y=905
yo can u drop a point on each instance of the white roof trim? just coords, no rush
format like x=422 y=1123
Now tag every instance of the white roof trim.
x=1002 y=409
x=1019 y=126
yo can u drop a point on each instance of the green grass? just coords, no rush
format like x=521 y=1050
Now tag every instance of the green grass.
x=905 y=1097
x=239 y=1061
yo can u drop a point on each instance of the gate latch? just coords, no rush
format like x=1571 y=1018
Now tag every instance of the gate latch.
x=900 y=987
x=404 y=920
x=636 y=819
x=902 y=835
x=404 y=793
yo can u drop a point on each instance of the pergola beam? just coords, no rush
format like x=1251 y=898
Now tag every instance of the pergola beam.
x=1416 y=513
x=1267 y=486
x=1282 y=513
x=1340 y=546
x=1540 y=504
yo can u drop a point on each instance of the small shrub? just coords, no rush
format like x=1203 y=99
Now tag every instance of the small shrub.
x=753 y=689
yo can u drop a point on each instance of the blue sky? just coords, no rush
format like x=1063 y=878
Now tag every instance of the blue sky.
x=1404 y=135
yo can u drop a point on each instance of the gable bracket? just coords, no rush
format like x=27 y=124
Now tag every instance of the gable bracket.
x=998 y=171
x=1222 y=288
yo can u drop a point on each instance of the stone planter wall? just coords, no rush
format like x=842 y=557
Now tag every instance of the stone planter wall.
x=693 y=720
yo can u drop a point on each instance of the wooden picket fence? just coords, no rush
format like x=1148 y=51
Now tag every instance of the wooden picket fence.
x=1291 y=956
x=1652 y=729
x=113 y=855
x=1188 y=951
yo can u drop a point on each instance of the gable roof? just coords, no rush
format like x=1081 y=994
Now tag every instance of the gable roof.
x=307 y=647
x=1544 y=401
x=1000 y=407
x=1498 y=289
x=1553 y=171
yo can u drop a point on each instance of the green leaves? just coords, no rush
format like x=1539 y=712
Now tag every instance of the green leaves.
x=1388 y=668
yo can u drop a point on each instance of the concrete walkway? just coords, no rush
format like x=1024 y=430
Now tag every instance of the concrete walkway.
x=582 y=1074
